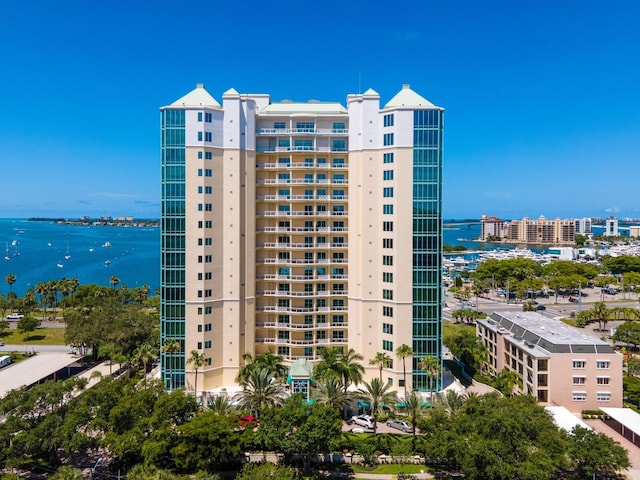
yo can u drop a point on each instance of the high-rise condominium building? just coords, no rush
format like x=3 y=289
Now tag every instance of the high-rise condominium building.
x=293 y=227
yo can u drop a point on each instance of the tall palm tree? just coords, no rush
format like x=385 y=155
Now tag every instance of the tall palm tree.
x=145 y=353
x=600 y=312
x=431 y=365
x=381 y=360
x=74 y=284
x=42 y=290
x=377 y=393
x=329 y=363
x=261 y=390
x=330 y=391
x=414 y=407
x=10 y=279
x=404 y=351
x=171 y=347
x=197 y=359
x=350 y=367
x=114 y=281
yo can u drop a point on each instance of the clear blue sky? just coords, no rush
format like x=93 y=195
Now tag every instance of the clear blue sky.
x=542 y=98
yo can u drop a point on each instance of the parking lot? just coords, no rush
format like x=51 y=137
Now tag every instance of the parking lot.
x=382 y=428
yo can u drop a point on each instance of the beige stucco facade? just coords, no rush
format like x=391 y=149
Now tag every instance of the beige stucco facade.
x=286 y=247
x=555 y=363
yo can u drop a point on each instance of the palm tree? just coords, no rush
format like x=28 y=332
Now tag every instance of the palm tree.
x=145 y=353
x=42 y=290
x=198 y=360
x=171 y=347
x=221 y=406
x=330 y=391
x=261 y=390
x=114 y=281
x=381 y=360
x=351 y=369
x=377 y=393
x=431 y=365
x=404 y=351
x=600 y=312
x=74 y=284
x=451 y=401
x=268 y=360
x=10 y=279
x=329 y=364
x=414 y=408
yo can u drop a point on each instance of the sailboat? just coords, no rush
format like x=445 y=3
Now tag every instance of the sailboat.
x=6 y=256
x=15 y=250
x=67 y=256
x=107 y=262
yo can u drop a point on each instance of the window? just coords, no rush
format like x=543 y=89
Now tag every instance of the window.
x=338 y=127
x=387 y=311
x=387 y=139
x=199 y=155
x=199 y=345
x=199 y=328
x=603 y=364
x=387 y=175
x=208 y=172
x=387 y=277
x=603 y=380
x=207 y=344
x=279 y=125
x=208 y=275
x=387 y=328
x=305 y=127
x=603 y=396
x=387 y=192
x=387 y=226
x=207 y=136
x=579 y=380
x=208 y=310
x=387 y=294
x=283 y=351
x=208 y=207
x=388 y=120
x=387 y=345
x=208 y=117
x=199 y=188
x=579 y=364
x=199 y=116
x=387 y=209
x=387 y=260
x=208 y=155
x=199 y=172
x=338 y=146
x=579 y=396
x=199 y=207
x=199 y=223
x=387 y=157
x=208 y=224
x=208 y=190
x=199 y=310
x=199 y=136
x=207 y=327
x=388 y=243
x=338 y=335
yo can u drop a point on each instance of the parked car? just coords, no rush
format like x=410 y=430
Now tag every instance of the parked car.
x=1 y=343
x=366 y=421
x=400 y=425
x=540 y=307
x=15 y=316
x=245 y=419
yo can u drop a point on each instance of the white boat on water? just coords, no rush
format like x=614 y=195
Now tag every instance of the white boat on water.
x=67 y=256
x=6 y=256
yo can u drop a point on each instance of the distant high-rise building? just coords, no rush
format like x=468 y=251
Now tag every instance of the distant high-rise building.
x=583 y=226
x=611 y=227
x=293 y=227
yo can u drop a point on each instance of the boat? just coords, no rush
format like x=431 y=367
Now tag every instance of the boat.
x=67 y=256
x=60 y=265
x=107 y=262
x=91 y=250
x=15 y=248
x=6 y=256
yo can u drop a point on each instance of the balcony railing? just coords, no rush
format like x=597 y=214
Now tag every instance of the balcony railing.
x=302 y=165
x=300 y=326
x=283 y=341
x=287 y=198
x=299 y=213
x=301 y=229
x=294 y=131
x=302 y=181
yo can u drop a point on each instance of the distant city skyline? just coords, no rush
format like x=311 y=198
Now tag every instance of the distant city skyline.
x=542 y=105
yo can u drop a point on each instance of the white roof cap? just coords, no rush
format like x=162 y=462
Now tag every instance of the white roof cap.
x=408 y=98
x=198 y=97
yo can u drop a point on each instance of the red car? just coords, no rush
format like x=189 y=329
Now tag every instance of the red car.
x=247 y=419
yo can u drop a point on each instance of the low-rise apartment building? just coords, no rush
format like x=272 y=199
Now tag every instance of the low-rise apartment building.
x=556 y=363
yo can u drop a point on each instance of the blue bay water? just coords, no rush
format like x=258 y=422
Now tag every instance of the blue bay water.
x=134 y=254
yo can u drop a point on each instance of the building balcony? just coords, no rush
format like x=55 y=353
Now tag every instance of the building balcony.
x=296 y=278
x=303 y=131
x=293 y=343
x=303 y=261
x=289 y=198
x=300 y=148
x=302 y=166
x=301 y=326
x=299 y=213
x=302 y=181
x=270 y=229
x=278 y=309
x=299 y=293
x=300 y=246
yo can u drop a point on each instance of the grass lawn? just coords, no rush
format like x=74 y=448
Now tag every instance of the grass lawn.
x=41 y=336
